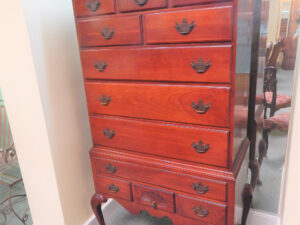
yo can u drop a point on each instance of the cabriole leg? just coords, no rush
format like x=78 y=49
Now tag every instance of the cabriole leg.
x=247 y=199
x=96 y=201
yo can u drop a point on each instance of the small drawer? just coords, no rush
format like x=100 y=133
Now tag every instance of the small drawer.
x=194 y=2
x=189 y=143
x=109 y=31
x=114 y=188
x=154 y=198
x=196 y=104
x=198 y=186
x=191 y=64
x=136 y=5
x=197 y=25
x=206 y=211
x=93 y=7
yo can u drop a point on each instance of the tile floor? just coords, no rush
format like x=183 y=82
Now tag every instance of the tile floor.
x=20 y=204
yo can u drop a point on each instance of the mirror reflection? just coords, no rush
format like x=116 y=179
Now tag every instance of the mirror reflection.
x=280 y=21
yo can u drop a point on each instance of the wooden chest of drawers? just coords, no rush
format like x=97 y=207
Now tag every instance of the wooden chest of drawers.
x=167 y=106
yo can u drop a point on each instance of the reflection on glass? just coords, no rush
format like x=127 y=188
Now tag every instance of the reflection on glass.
x=277 y=59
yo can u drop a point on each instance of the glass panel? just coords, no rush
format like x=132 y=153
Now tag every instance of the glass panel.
x=277 y=58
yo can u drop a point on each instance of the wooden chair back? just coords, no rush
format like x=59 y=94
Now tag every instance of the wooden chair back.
x=270 y=78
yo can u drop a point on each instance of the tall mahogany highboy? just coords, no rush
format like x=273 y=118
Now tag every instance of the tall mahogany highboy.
x=167 y=85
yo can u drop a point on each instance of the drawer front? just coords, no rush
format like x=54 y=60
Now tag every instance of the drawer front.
x=198 y=25
x=197 y=186
x=136 y=5
x=154 y=198
x=93 y=7
x=193 y=64
x=206 y=211
x=174 y=141
x=194 y=2
x=179 y=103
x=109 y=31
x=112 y=187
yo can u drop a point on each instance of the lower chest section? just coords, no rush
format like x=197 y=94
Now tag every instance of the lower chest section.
x=175 y=194
x=184 y=197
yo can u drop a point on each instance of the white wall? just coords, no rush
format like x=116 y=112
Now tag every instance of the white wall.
x=52 y=34
x=43 y=88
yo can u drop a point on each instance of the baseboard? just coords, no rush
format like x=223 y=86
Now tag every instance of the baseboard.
x=91 y=221
x=255 y=217
x=259 y=217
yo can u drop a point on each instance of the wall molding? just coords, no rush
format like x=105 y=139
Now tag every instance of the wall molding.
x=256 y=217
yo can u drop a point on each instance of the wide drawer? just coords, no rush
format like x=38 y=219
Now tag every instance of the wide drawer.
x=109 y=31
x=197 y=25
x=206 y=211
x=180 y=103
x=115 y=188
x=194 y=64
x=93 y=7
x=195 y=185
x=135 y=5
x=153 y=197
x=194 y=2
x=207 y=146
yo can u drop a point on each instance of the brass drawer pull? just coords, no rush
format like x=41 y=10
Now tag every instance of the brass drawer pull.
x=185 y=28
x=100 y=66
x=141 y=2
x=104 y=100
x=108 y=133
x=200 y=107
x=107 y=33
x=200 y=188
x=200 y=66
x=113 y=188
x=200 y=212
x=154 y=205
x=110 y=168
x=93 y=5
x=200 y=147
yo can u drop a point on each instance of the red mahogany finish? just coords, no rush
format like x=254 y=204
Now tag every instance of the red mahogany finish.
x=171 y=102
x=119 y=31
x=154 y=198
x=210 y=24
x=113 y=187
x=168 y=179
x=163 y=139
x=194 y=2
x=136 y=5
x=203 y=210
x=167 y=108
x=159 y=64
x=93 y=7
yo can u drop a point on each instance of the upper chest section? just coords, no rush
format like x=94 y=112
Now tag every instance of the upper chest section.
x=150 y=22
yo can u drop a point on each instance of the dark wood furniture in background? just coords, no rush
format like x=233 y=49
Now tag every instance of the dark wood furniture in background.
x=167 y=87
x=272 y=100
